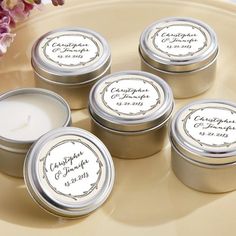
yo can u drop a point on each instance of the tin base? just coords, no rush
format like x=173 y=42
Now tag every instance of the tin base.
x=11 y=163
x=130 y=145
x=202 y=177
x=76 y=95
x=185 y=84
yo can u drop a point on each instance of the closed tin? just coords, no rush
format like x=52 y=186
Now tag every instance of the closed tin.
x=203 y=138
x=13 y=150
x=69 y=61
x=183 y=52
x=69 y=172
x=129 y=113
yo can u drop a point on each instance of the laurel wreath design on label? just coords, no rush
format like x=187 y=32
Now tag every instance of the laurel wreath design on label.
x=192 y=111
x=140 y=112
x=97 y=54
x=93 y=186
x=159 y=29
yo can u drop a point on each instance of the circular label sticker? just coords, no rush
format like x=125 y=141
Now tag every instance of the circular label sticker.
x=70 y=49
x=179 y=39
x=73 y=168
x=211 y=126
x=130 y=96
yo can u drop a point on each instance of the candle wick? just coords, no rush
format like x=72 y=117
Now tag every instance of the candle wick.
x=25 y=124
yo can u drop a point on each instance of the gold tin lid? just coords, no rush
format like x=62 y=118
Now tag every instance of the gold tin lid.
x=69 y=172
x=131 y=101
x=178 y=44
x=71 y=55
x=205 y=131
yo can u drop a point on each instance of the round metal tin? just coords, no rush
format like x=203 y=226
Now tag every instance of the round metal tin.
x=205 y=132
x=13 y=152
x=178 y=44
x=71 y=55
x=69 y=172
x=131 y=101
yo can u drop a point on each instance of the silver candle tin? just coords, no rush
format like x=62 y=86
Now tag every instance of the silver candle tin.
x=203 y=138
x=69 y=172
x=13 y=152
x=69 y=61
x=183 y=52
x=129 y=113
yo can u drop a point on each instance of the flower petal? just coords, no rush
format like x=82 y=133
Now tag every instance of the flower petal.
x=5 y=40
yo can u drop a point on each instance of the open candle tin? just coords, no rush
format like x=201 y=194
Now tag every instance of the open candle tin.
x=182 y=51
x=69 y=172
x=129 y=112
x=203 y=138
x=69 y=61
x=46 y=111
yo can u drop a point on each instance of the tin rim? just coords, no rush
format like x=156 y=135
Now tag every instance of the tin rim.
x=194 y=153
x=159 y=62
x=19 y=146
x=71 y=76
x=36 y=190
x=126 y=124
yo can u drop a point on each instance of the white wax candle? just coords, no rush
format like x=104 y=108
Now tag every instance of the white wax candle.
x=26 y=117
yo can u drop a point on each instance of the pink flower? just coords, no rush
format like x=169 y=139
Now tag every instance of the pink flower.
x=28 y=5
x=5 y=40
x=5 y=17
x=11 y=12
x=16 y=8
